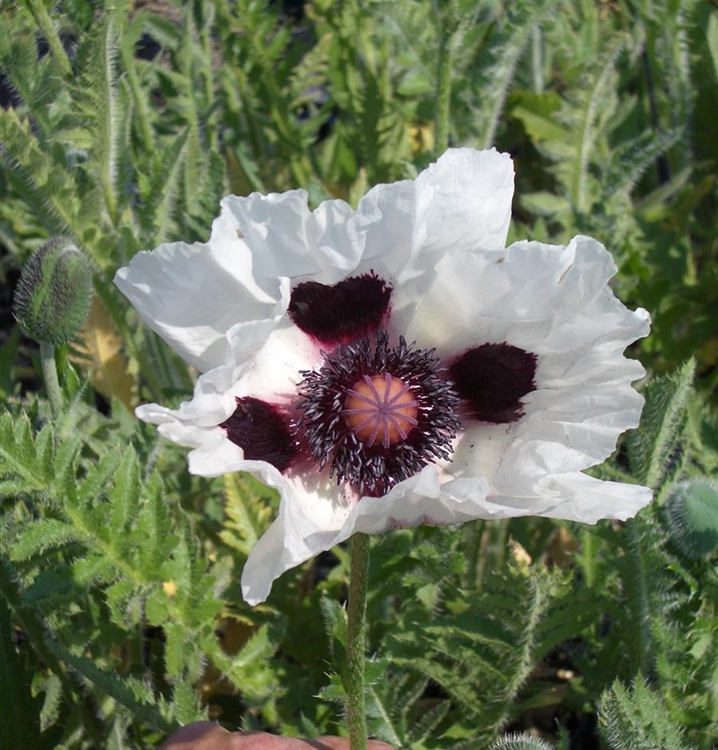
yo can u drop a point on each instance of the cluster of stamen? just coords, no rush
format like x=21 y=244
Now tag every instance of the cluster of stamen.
x=377 y=414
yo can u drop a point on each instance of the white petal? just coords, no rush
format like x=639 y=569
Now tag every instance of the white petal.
x=191 y=295
x=556 y=303
x=315 y=515
x=311 y=509
x=265 y=360
x=577 y=497
x=400 y=230
x=464 y=201
x=289 y=240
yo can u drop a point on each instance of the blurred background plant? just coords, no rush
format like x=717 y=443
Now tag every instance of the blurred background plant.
x=122 y=126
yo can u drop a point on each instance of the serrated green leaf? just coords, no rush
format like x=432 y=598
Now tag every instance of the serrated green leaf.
x=88 y=570
x=261 y=645
x=125 y=602
x=125 y=492
x=51 y=587
x=154 y=529
x=111 y=684
x=52 y=687
x=186 y=704
x=177 y=646
x=537 y=114
x=637 y=720
x=95 y=482
x=507 y=50
x=650 y=446
x=156 y=607
x=545 y=204
x=381 y=713
x=247 y=513
x=43 y=182
x=42 y=535
x=18 y=453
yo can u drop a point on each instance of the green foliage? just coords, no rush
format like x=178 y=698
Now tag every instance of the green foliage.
x=499 y=633
x=652 y=448
x=21 y=713
x=636 y=720
x=665 y=627
x=120 y=571
x=520 y=742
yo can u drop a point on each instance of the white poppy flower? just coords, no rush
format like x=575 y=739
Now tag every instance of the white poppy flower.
x=395 y=365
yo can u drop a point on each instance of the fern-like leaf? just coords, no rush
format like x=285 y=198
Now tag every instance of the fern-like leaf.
x=637 y=720
x=27 y=461
x=508 y=48
x=650 y=447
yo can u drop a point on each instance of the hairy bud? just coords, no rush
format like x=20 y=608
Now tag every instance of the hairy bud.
x=53 y=295
x=692 y=515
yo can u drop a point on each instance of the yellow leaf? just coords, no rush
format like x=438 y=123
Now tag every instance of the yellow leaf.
x=99 y=348
x=422 y=138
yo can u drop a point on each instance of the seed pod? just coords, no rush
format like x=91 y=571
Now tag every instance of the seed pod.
x=692 y=516
x=52 y=297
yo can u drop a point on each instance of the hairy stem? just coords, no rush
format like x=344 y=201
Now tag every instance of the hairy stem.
x=637 y=591
x=47 y=27
x=49 y=374
x=356 y=641
x=443 y=94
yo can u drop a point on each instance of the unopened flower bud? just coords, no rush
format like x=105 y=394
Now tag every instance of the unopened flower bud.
x=692 y=514
x=53 y=295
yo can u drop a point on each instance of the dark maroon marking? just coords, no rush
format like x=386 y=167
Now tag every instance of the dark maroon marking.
x=262 y=432
x=493 y=379
x=352 y=309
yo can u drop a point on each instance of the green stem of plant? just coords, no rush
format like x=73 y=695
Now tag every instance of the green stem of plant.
x=588 y=557
x=443 y=94
x=637 y=596
x=472 y=544
x=356 y=641
x=47 y=27
x=49 y=374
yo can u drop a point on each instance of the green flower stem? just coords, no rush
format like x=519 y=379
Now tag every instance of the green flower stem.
x=589 y=550
x=473 y=534
x=356 y=641
x=49 y=374
x=443 y=94
x=637 y=598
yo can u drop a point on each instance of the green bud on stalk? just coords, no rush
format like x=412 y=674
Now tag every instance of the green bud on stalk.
x=52 y=297
x=692 y=515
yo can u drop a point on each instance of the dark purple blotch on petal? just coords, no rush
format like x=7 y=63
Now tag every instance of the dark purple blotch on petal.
x=338 y=314
x=262 y=432
x=492 y=379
